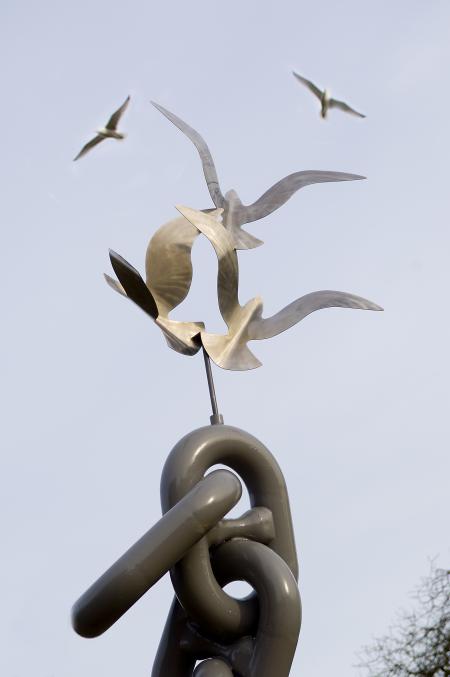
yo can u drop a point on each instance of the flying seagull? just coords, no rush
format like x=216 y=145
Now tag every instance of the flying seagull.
x=245 y=323
x=235 y=214
x=168 y=279
x=325 y=100
x=107 y=132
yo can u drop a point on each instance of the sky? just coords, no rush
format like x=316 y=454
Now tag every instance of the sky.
x=354 y=405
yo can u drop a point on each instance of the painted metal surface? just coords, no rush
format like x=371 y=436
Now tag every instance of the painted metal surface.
x=204 y=551
x=155 y=553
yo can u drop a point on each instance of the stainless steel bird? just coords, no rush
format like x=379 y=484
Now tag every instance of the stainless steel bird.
x=235 y=214
x=168 y=279
x=245 y=323
x=109 y=131
x=325 y=99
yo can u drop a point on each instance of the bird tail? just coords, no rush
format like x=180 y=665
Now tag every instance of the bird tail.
x=244 y=240
x=228 y=353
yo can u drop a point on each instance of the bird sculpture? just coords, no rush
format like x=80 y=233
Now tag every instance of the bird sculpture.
x=325 y=99
x=109 y=131
x=168 y=280
x=245 y=323
x=235 y=214
x=168 y=268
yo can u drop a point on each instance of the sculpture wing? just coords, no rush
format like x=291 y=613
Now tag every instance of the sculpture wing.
x=334 y=103
x=299 y=309
x=133 y=284
x=311 y=86
x=209 y=169
x=280 y=193
x=115 y=117
x=168 y=263
x=228 y=275
x=115 y=285
x=90 y=144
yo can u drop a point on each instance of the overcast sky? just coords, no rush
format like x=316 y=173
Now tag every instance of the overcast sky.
x=354 y=405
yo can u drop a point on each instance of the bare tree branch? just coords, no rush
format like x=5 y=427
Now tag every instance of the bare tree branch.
x=419 y=644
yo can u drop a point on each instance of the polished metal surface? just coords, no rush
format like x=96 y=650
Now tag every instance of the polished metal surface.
x=169 y=271
x=109 y=131
x=326 y=102
x=168 y=268
x=245 y=323
x=235 y=213
x=216 y=417
x=180 y=336
x=168 y=265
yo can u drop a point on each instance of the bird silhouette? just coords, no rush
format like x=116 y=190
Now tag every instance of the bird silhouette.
x=235 y=214
x=245 y=323
x=109 y=131
x=325 y=99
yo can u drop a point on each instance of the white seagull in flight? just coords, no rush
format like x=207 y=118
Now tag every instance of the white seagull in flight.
x=109 y=131
x=325 y=100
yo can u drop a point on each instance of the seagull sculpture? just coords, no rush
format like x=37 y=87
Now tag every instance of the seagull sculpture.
x=168 y=279
x=235 y=214
x=325 y=100
x=245 y=323
x=107 y=132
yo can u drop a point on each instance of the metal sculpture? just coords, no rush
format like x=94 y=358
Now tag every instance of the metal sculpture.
x=245 y=323
x=253 y=637
x=109 y=131
x=208 y=632
x=235 y=213
x=326 y=102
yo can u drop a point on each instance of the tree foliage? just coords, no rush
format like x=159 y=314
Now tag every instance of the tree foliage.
x=419 y=644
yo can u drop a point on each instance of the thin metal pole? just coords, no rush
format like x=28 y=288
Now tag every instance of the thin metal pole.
x=216 y=418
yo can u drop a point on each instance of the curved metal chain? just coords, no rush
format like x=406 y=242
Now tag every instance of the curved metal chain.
x=254 y=637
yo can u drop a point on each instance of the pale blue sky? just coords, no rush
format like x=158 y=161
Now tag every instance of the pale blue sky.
x=354 y=405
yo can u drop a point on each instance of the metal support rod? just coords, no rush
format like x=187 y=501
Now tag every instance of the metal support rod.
x=216 y=418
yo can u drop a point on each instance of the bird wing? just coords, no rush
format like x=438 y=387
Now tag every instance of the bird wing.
x=115 y=117
x=90 y=144
x=299 y=309
x=209 y=169
x=228 y=274
x=311 y=86
x=334 y=103
x=279 y=193
x=133 y=284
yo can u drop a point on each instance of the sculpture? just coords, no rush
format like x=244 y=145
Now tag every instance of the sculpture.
x=235 y=213
x=257 y=636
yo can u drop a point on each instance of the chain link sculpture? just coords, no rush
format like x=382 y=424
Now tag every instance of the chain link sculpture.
x=209 y=633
